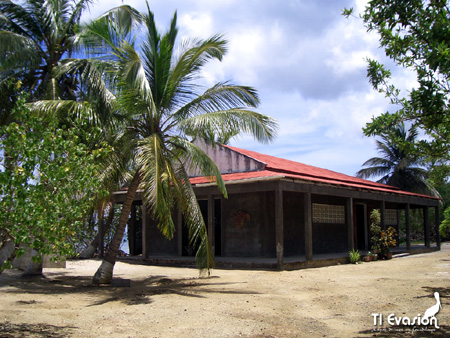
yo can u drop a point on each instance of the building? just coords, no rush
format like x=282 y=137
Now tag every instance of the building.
x=284 y=214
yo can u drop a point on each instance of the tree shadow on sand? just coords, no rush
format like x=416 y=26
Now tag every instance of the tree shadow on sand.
x=9 y=330
x=129 y=292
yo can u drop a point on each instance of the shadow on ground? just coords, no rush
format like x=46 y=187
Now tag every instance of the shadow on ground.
x=9 y=330
x=129 y=292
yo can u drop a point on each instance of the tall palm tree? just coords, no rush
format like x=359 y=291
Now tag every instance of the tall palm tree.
x=398 y=164
x=166 y=109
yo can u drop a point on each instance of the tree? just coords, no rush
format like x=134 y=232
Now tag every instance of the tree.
x=398 y=165
x=48 y=179
x=35 y=36
x=166 y=109
x=415 y=35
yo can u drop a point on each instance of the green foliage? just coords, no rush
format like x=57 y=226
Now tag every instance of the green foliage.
x=444 y=227
x=35 y=37
x=415 y=36
x=375 y=230
x=354 y=256
x=387 y=240
x=49 y=179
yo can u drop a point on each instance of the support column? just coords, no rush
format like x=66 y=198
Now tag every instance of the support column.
x=349 y=221
x=279 y=227
x=383 y=215
x=408 y=227
x=144 y=231
x=211 y=224
x=426 y=226
x=437 y=222
x=180 y=232
x=397 y=227
x=307 y=206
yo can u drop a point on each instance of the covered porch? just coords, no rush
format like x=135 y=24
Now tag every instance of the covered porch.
x=282 y=223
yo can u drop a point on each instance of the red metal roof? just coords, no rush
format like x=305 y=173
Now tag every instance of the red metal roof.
x=278 y=167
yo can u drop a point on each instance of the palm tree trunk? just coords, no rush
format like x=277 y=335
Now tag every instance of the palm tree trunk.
x=92 y=247
x=105 y=271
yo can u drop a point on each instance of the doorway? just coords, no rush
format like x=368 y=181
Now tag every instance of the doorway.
x=361 y=227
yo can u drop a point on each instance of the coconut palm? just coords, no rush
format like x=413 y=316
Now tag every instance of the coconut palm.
x=166 y=109
x=35 y=35
x=398 y=164
x=44 y=52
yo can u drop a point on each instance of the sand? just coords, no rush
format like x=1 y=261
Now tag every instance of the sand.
x=336 y=301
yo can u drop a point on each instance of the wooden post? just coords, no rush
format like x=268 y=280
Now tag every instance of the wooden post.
x=437 y=222
x=307 y=206
x=144 y=231
x=279 y=228
x=408 y=227
x=383 y=215
x=397 y=227
x=180 y=231
x=426 y=226
x=211 y=224
x=349 y=221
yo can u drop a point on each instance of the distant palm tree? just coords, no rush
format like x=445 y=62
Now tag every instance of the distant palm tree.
x=398 y=165
x=166 y=109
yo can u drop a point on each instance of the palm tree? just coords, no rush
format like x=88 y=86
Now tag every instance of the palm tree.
x=166 y=109
x=398 y=165
x=35 y=35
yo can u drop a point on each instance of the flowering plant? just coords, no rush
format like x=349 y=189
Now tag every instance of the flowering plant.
x=387 y=240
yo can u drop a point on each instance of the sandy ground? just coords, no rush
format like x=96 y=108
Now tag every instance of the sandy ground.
x=335 y=301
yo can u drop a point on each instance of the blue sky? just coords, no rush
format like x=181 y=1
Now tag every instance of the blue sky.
x=305 y=59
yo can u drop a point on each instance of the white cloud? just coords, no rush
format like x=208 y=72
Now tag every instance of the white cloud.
x=307 y=62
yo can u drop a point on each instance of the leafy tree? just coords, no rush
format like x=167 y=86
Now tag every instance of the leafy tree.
x=165 y=109
x=398 y=165
x=415 y=35
x=48 y=179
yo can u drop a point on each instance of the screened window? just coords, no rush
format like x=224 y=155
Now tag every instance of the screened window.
x=390 y=217
x=325 y=213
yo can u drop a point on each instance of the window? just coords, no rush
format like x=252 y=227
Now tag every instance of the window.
x=390 y=216
x=325 y=213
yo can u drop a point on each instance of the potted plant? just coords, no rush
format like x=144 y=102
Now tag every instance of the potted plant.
x=374 y=256
x=387 y=241
x=354 y=256
x=368 y=257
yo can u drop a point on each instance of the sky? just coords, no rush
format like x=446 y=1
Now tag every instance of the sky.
x=307 y=62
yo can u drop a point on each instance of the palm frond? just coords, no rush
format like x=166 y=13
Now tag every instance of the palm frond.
x=222 y=96
x=18 y=51
x=156 y=177
x=233 y=121
x=195 y=159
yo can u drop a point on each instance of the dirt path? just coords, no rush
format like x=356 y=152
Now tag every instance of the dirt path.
x=164 y=302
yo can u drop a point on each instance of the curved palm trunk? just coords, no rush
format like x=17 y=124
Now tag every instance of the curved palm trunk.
x=105 y=271
x=92 y=247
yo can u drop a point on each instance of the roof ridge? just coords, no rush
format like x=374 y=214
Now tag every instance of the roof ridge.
x=341 y=177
